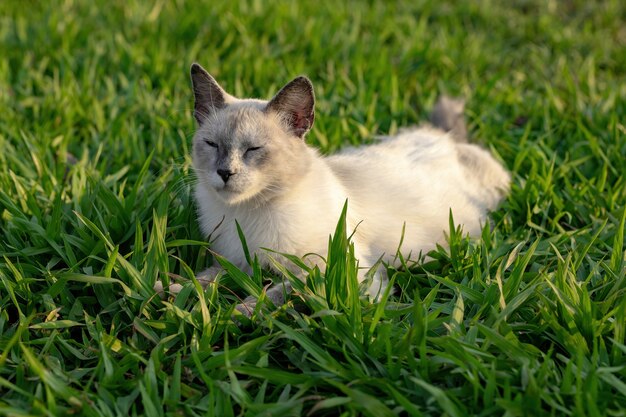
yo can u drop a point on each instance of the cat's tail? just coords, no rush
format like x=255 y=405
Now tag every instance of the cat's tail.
x=448 y=116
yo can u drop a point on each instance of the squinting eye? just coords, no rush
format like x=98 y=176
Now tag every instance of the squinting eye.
x=253 y=149
x=211 y=144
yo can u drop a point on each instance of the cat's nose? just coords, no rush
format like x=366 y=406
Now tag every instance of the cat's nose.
x=225 y=174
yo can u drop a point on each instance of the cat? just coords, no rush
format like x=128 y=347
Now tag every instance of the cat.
x=254 y=167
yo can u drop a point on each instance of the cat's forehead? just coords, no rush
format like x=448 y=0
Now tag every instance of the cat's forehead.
x=237 y=121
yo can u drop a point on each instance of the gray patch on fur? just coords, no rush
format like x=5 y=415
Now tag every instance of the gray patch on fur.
x=448 y=115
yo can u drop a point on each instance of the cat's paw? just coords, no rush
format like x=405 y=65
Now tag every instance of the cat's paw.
x=276 y=294
x=209 y=275
x=173 y=288
x=247 y=306
x=204 y=278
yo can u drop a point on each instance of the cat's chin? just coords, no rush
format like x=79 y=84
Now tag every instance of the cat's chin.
x=229 y=196
x=232 y=197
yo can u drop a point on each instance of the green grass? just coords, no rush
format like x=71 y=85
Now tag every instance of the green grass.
x=530 y=320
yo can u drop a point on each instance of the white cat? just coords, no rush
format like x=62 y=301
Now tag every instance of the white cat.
x=254 y=167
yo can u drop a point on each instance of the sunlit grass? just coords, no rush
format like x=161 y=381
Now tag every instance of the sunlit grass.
x=95 y=206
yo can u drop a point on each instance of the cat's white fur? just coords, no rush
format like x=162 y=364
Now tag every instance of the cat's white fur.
x=290 y=197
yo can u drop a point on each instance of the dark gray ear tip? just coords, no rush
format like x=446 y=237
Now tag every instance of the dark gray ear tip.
x=303 y=80
x=197 y=69
x=302 y=83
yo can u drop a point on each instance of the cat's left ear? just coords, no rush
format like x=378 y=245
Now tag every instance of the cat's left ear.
x=295 y=104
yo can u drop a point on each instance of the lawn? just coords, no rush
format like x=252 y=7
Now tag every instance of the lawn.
x=95 y=206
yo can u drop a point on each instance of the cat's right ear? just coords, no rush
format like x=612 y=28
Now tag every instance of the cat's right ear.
x=295 y=104
x=208 y=94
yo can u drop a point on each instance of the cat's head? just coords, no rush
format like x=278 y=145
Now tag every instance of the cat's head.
x=247 y=149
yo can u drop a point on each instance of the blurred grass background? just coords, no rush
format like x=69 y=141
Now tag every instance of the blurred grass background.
x=95 y=129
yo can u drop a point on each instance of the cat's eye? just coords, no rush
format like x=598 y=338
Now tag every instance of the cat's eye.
x=211 y=143
x=255 y=148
